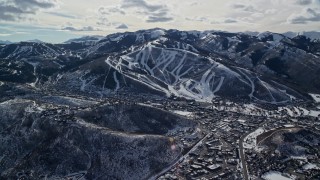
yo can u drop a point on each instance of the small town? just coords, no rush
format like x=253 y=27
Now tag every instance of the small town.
x=231 y=140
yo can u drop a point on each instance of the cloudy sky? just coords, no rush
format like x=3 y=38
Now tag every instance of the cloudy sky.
x=58 y=20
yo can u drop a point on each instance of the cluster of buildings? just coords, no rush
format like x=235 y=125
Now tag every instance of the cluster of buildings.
x=214 y=150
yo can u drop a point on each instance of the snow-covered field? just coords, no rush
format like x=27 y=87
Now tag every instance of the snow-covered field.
x=273 y=175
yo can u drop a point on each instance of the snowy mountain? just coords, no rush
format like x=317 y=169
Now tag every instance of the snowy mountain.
x=30 y=49
x=313 y=35
x=84 y=39
x=185 y=74
x=266 y=68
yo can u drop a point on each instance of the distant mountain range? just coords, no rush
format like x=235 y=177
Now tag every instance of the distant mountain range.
x=85 y=39
x=263 y=67
x=5 y=42
x=313 y=35
x=34 y=41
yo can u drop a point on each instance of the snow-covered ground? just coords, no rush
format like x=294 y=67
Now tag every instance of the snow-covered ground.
x=35 y=65
x=311 y=166
x=299 y=111
x=274 y=175
x=68 y=101
x=183 y=113
x=157 y=33
x=250 y=141
x=316 y=97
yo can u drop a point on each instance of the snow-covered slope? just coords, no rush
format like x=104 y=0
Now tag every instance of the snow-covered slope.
x=186 y=74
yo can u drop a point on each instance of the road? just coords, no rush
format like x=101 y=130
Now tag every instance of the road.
x=243 y=159
x=276 y=131
x=179 y=159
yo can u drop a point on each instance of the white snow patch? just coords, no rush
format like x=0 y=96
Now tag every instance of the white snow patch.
x=118 y=38
x=250 y=141
x=241 y=120
x=183 y=113
x=316 y=97
x=35 y=65
x=157 y=33
x=274 y=175
x=314 y=113
x=289 y=126
x=311 y=166
x=233 y=39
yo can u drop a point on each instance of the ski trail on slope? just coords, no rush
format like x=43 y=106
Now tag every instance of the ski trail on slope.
x=105 y=79
x=116 y=80
x=252 y=83
x=219 y=85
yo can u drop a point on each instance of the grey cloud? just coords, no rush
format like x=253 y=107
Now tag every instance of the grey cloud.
x=309 y=15
x=229 y=21
x=13 y=10
x=238 y=6
x=103 y=21
x=69 y=28
x=62 y=15
x=86 y=28
x=225 y=21
x=304 y=2
x=244 y=7
x=153 y=19
x=110 y=10
x=199 y=19
x=194 y=4
x=104 y=12
x=9 y=13
x=117 y=10
x=154 y=12
x=141 y=4
x=122 y=26
x=34 y=4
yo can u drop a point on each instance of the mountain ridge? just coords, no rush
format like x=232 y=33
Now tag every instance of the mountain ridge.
x=268 y=66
